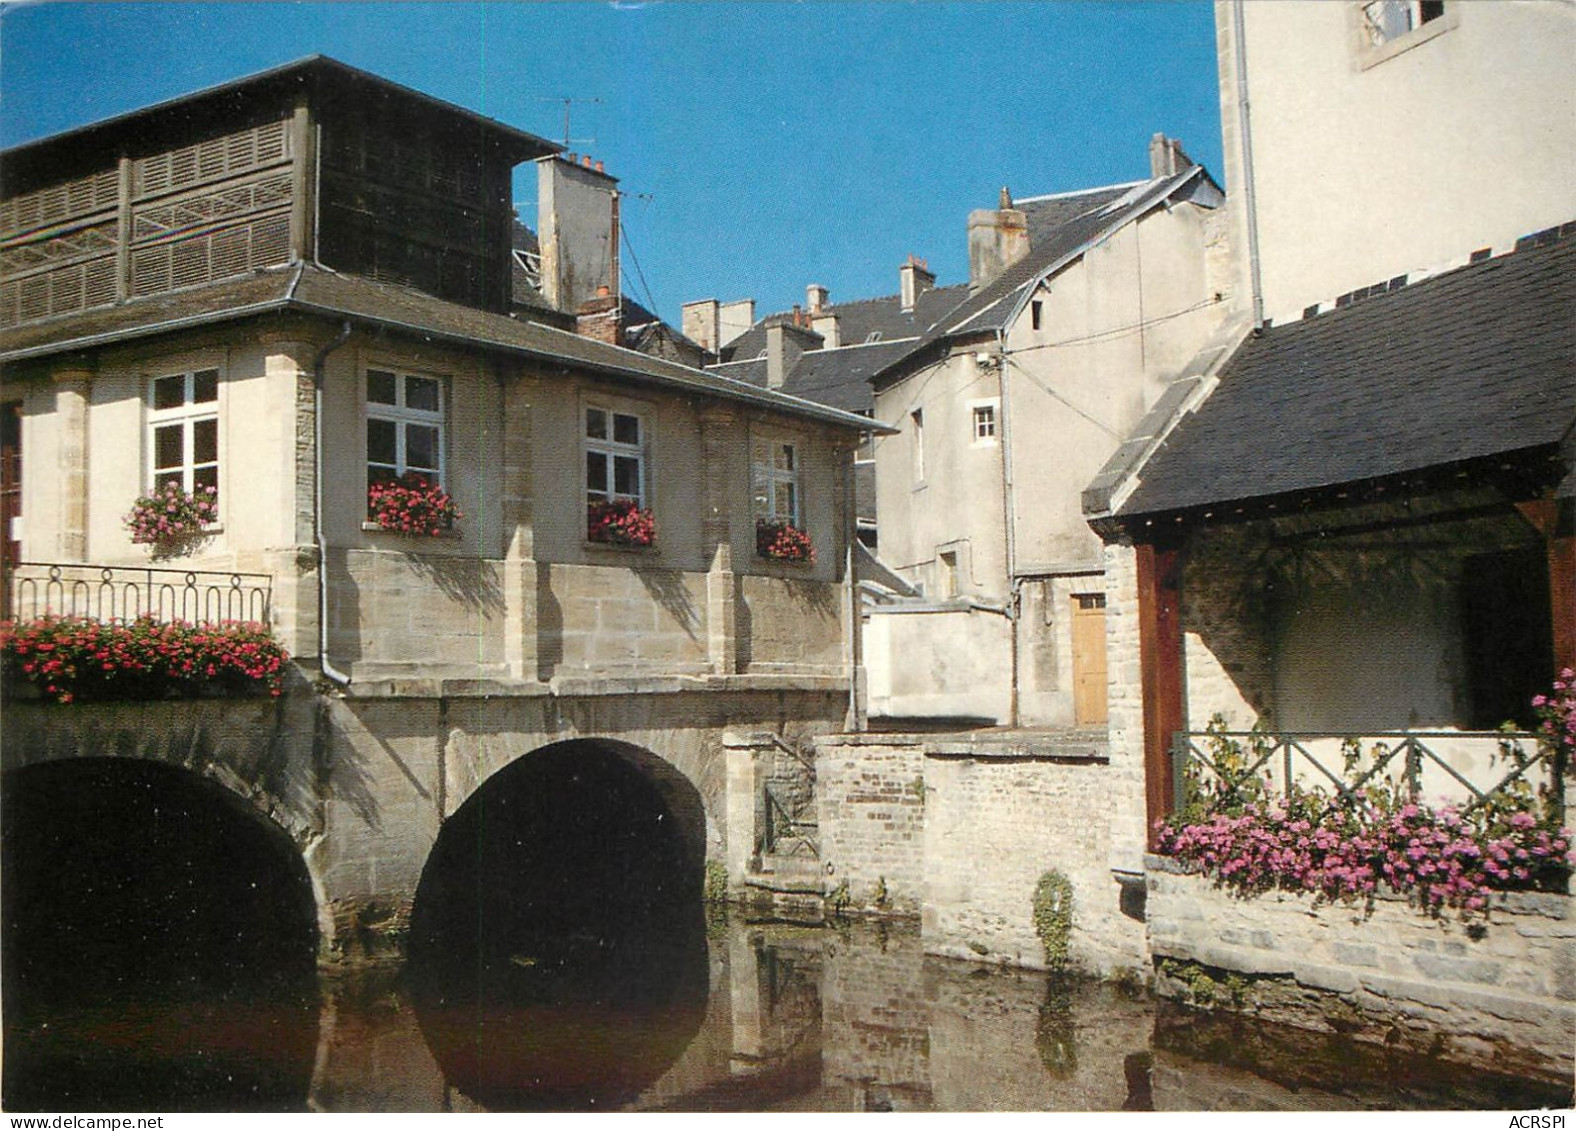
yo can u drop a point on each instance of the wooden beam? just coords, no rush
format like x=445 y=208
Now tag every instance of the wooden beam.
x=1553 y=518
x=1160 y=666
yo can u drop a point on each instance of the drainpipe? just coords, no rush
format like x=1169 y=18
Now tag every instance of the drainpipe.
x=327 y=668
x=1014 y=594
x=1245 y=134
x=855 y=720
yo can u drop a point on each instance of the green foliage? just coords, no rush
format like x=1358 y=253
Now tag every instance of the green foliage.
x=716 y=889
x=880 y=897
x=839 y=898
x=1053 y=917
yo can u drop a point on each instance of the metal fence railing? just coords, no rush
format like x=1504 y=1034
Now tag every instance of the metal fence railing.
x=125 y=593
x=1464 y=768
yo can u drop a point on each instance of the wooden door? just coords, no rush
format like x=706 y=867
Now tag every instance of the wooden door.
x=1089 y=691
x=10 y=497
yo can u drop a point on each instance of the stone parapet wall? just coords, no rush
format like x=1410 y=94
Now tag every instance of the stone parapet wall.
x=960 y=830
x=1499 y=994
x=872 y=814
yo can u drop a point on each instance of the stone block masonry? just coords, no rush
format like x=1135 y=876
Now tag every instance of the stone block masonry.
x=960 y=829
x=1499 y=993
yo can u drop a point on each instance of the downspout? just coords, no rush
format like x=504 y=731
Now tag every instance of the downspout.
x=1014 y=596
x=328 y=669
x=1245 y=133
x=856 y=720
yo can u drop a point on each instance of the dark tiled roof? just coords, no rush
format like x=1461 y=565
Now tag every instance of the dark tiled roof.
x=1477 y=362
x=856 y=321
x=397 y=309
x=840 y=377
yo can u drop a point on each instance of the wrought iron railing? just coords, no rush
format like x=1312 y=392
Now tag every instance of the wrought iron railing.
x=787 y=831
x=125 y=593
x=1465 y=767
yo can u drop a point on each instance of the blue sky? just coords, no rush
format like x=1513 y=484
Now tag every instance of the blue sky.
x=761 y=146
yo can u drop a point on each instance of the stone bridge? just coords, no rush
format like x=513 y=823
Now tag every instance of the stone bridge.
x=354 y=793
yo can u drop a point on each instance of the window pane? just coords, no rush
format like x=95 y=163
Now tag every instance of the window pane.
x=169 y=392
x=206 y=479
x=596 y=472
x=626 y=475
x=164 y=477
x=205 y=440
x=790 y=502
x=381 y=388
x=785 y=457
x=596 y=424
x=421 y=447
x=381 y=442
x=626 y=429
x=205 y=386
x=169 y=446
x=422 y=393
x=380 y=475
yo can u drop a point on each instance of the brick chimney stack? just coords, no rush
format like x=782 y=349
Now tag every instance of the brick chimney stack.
x=1166 y=158
x=914 y=279
x=997 y=240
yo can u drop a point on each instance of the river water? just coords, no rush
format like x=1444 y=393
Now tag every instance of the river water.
x=720 y=1015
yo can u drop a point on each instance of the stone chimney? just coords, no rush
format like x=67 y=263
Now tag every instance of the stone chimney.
x=733 y=319
x=786 y=342
x=700 y=323
x=822 y=318
x=577 y=225
x=914 y=279
x=1166 y=158
x=997 y=240
x=816 y=298
x=600 y=318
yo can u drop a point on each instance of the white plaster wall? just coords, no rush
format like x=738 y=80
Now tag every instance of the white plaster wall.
x=1364 y=170
x=938 y=662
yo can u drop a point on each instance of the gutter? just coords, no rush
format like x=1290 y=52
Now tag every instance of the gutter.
x=324 y=664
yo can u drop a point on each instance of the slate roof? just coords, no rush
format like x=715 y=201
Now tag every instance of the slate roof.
x=387 y=307
x=1477 y=362
x=857 y=320
x=840 y=377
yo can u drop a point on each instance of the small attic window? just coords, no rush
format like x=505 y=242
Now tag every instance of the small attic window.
x=1385 y=20
x=873 y=336
x=1036 y=313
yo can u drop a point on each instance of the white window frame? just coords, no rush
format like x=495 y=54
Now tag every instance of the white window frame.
x=402 y=416
x=768 y=481
x=614 y=450
x=188 y=414
x=916 y=421
x=977 y=409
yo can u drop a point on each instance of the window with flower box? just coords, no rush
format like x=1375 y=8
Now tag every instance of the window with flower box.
x=405 y=415
x=774 y=482
x=615 y=460
x=183 y=431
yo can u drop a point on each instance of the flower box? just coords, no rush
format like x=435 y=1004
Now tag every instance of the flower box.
x=620 y=522
x=782 y=542
x=412 y=505
x=171 y=519
x=72 y=658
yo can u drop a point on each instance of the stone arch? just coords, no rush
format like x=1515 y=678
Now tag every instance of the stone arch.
x=257 y=753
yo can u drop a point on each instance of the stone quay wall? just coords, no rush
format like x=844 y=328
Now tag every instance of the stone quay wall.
x=1498 y=993
x=959 y=830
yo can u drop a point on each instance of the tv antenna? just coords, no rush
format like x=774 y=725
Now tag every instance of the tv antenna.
x=568 y=141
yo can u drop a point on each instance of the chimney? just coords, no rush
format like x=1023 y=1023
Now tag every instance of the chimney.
x=786 y=342
x=699 y=323
x=1166 y=158
x=815 y=296
x=914 y=279
x=826 y=324
x=577 y=225
x=733 y=319
x=997 y=240
x=600 y=318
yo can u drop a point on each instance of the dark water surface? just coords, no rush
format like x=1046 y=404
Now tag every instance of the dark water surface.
x=718 y=1016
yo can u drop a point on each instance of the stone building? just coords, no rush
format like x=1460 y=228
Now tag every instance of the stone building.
x=297 y=286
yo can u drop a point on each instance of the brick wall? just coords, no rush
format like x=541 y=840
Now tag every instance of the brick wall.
x=1500 y=994
x=1226 y=630
x=872 y=814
